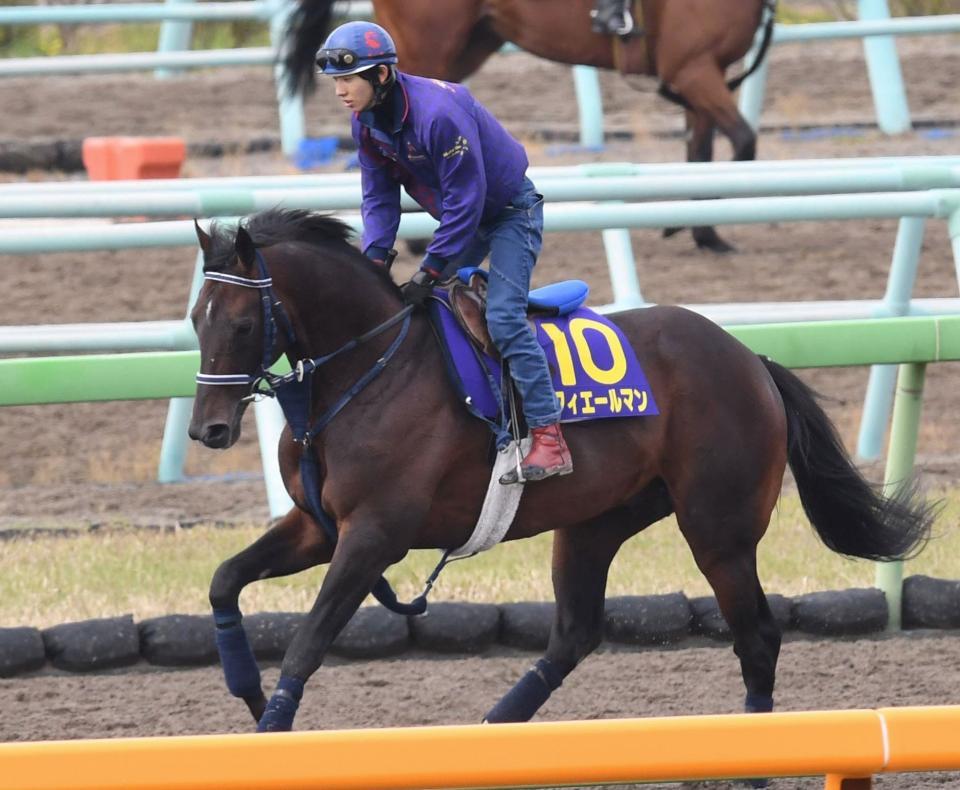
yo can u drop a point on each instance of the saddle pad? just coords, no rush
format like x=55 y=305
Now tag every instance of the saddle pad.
x=595 y=371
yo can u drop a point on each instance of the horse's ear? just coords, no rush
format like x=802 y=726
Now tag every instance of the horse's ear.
x=203 y=237
x=246 y=251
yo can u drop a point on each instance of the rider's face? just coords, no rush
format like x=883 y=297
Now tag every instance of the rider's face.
x=354 y=91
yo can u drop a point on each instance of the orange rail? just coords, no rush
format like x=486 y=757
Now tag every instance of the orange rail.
x=837 y=744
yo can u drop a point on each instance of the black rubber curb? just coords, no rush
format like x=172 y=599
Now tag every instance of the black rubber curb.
x=648 y=621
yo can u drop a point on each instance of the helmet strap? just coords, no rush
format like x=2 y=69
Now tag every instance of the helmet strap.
x=380 y=89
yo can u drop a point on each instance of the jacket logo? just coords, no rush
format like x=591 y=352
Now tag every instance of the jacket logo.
x=413 y=154
x=460 y=147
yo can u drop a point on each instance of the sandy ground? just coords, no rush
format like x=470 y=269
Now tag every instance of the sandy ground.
x=94 y=463
x=909 y=670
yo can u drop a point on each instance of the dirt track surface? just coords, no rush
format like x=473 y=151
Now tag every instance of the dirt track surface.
x=87 y=463
x=90 y=462
x=459 y=690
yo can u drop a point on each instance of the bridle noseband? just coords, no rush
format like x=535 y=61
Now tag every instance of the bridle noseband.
x=263 y=383
x=269 y=307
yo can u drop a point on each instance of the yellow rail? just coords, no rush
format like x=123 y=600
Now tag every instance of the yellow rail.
x=836 y=744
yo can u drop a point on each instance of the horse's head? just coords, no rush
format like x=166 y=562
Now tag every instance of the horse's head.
x=237 y=331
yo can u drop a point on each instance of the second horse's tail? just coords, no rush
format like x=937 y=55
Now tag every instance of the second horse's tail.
x=850 y=516
x=306 y=31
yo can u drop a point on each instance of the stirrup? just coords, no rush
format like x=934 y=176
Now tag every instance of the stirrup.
x=627 y=27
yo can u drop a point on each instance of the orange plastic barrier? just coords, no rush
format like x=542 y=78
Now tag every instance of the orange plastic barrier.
x=845 y=746
x=111 y=158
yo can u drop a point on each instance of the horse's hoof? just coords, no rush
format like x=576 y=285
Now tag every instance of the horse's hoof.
x=708 y=239
x=668 y=232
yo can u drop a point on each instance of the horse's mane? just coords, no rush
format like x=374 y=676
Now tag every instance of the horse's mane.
x=276 y=225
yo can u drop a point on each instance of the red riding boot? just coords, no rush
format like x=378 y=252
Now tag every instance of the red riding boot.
x=548 y=456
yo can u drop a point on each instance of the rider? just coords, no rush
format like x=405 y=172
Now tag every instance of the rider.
x=456 y=160
x=612 y=17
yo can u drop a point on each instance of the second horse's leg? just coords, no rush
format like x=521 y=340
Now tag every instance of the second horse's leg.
x=294 y=544
x=702 y=85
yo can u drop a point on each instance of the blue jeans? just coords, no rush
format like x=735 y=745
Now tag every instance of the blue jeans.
x=513 y=239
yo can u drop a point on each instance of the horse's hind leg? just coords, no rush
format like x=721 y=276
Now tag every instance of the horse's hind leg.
x=293 y=544
x=756 y=637
x=711 y=105
x=724 y=547
x=581 y=559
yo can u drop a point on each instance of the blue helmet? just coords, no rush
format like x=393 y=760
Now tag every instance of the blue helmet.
x=355 y=47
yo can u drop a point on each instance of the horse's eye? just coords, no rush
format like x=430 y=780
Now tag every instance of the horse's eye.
x=244 y=328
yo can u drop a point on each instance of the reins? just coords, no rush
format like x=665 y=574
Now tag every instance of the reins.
x=293 y=392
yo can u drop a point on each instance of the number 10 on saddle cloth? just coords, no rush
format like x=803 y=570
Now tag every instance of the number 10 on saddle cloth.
x=595 y=371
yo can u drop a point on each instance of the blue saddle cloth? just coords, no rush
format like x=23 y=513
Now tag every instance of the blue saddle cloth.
x=595 y=371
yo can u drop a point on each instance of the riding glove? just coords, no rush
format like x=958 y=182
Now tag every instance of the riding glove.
x=418 y=289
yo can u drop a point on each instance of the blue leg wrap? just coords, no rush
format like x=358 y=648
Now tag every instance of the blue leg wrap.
x=758 y=703
x=525 y=698
x=239 y=666
x=282 y=707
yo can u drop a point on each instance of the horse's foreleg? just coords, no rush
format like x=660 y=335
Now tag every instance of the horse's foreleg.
x=364 y=551
x=294 y=544
x=581 y=558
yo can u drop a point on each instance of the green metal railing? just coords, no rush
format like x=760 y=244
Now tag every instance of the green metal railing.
x=911 y=342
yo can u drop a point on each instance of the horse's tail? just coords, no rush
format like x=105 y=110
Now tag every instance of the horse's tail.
x=306 y=30
x=850 y=516
x=771 y=9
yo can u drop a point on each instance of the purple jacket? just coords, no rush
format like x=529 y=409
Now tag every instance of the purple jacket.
x=450 y=155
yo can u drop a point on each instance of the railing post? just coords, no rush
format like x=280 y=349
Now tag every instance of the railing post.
x=903 y=448
x=883 y=68
x=896 y=301
x=270 y=424
x=839 y=782
x=173 y=448
x=953 y=227
x=622 y=268
x=590 y=106
x=292 y=125
x=175 y=36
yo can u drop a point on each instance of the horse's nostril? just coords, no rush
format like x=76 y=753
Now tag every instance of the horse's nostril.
x=217 y=435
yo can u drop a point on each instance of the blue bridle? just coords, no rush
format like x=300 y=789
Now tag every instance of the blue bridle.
x=270 y=306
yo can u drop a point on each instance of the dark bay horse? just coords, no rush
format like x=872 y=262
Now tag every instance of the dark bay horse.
x=687 y=44
x=404 y=466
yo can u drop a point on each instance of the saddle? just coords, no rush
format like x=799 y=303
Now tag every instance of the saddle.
x=467 y=294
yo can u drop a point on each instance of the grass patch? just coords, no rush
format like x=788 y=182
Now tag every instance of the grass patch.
x=93 y=39
x=55 y=580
